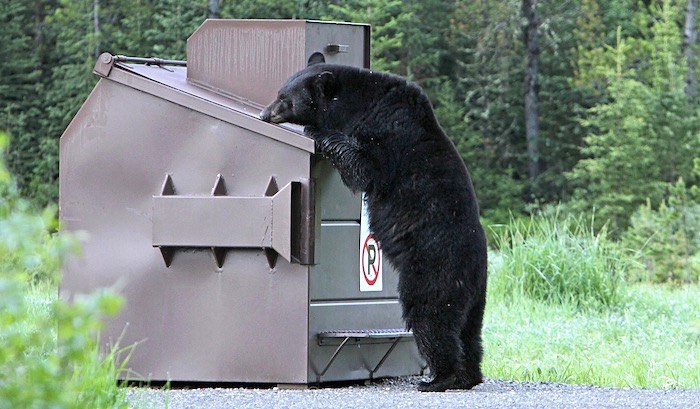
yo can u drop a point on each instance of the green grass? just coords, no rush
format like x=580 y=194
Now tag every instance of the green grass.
x=559 y=310
x=92 y=380
x=653 y=341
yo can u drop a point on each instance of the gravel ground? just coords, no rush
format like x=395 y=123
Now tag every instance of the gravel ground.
x=401 y=393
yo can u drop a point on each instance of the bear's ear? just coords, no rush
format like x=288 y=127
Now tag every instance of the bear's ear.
x=316 y=58
x=325 y=84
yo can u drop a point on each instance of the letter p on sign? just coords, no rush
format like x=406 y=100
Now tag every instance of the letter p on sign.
x=370 y=257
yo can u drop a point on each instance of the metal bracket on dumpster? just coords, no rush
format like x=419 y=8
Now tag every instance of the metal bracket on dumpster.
x=358 y=336
x=106 y=61
x=219 y=222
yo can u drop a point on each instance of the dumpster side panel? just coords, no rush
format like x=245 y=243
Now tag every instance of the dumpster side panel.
x=336 y=273
x=243 y=322
x=337 y=202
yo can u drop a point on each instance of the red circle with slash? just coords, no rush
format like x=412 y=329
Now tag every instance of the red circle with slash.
x=371 y=260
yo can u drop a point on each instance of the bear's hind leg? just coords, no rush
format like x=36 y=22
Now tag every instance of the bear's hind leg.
x=470 y=374
x=439 y=343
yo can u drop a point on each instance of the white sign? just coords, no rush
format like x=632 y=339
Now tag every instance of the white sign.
x=370 y=256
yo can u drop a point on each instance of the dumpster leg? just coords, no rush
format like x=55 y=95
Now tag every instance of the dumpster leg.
x=330 y=361
x=381 y=362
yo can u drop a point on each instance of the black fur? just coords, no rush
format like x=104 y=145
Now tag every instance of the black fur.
x=381 y=134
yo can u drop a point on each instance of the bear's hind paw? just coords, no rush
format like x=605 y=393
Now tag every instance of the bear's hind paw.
x=439 y=384
x=467 y=384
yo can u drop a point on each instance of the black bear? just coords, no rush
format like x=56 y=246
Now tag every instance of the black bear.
x=381 y=134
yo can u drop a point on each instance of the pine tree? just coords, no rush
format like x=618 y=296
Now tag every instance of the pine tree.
x=389 y=21
x=174 y=21
x=71 y=80
x=645 y=135
x=20 y=88
x=690 y=40
x=267 y=9
x=486 y=91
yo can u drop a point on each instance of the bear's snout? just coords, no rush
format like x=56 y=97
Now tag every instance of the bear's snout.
x=265 y=114
x=271 y=114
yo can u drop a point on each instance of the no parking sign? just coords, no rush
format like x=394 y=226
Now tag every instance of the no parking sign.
x=370 y=256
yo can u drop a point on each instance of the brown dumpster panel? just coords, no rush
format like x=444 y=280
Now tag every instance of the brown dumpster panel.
x=192 y=320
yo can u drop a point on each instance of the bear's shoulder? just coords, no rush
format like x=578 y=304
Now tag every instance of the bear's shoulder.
x=393 y=89
x=363 y=76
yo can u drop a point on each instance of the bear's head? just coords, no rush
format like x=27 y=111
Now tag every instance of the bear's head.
x=304 y=97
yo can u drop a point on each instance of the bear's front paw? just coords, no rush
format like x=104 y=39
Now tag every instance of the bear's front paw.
x=311 y=131
x=317 y=135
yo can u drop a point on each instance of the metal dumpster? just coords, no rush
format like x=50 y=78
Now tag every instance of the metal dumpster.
x=241 y=255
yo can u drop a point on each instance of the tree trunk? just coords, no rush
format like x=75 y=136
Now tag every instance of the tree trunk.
x=690 y=37
x=96 y=26
x=38 y=23
x=532 y=120
x=213 y=8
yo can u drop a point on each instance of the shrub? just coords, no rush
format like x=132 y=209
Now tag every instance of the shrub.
x=37 y=370
x=561 y=260
x=669 y=237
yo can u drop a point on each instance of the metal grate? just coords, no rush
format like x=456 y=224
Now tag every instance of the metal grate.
x=366 y=333
x=357 y=335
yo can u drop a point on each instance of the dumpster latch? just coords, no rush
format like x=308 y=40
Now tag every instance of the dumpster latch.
x=337 y=48
x=274 y=222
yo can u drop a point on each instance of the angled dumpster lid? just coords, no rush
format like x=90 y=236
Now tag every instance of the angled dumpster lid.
x=167 y=79
x=232 y=56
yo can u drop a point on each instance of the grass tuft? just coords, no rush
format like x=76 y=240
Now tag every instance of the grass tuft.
x=559 y=260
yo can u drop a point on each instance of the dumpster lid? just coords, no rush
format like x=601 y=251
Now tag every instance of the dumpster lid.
x=167 y=79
